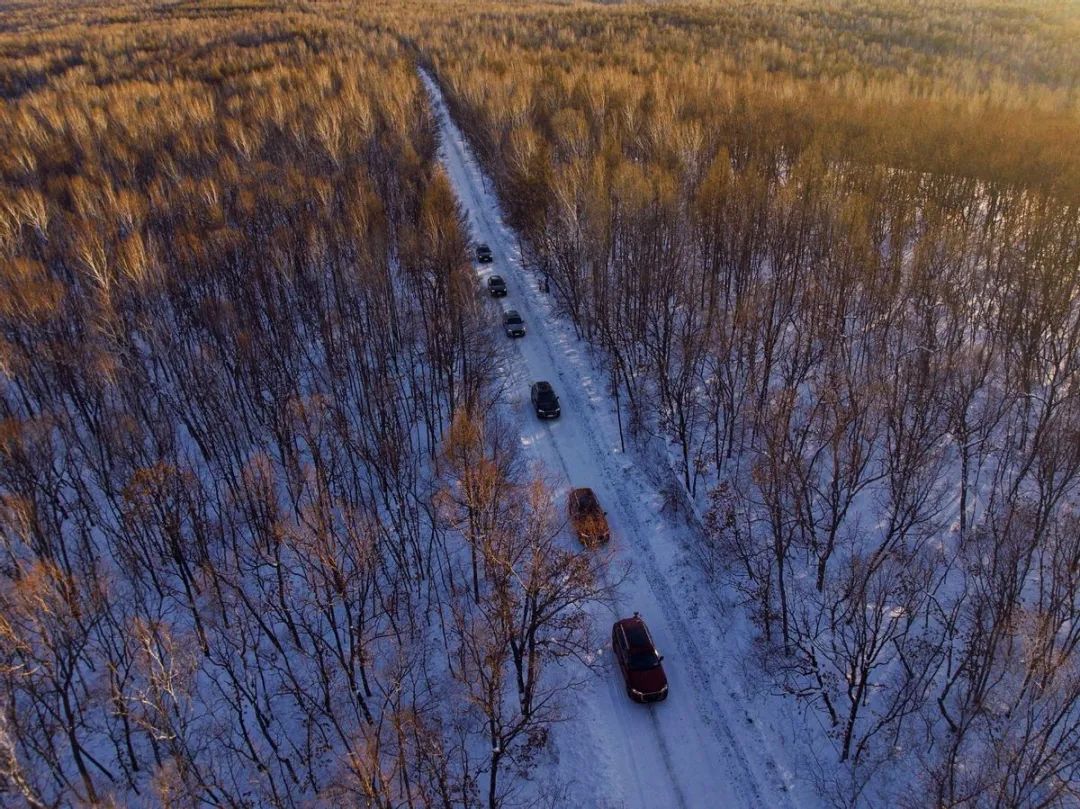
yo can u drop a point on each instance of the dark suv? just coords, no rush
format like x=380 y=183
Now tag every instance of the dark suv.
x=513 y=325
x=544 y=400
x=639 y=660
x=483 y=254
x=496 y=286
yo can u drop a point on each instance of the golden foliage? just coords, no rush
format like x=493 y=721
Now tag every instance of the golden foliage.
x=983 y=89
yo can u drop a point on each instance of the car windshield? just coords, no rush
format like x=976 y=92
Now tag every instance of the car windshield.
x=513 y=320
x=642 y=661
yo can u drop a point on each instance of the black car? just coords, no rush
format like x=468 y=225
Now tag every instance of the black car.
x=483 y=254
x=513 y=325
x=497 y=286
x=544 y=400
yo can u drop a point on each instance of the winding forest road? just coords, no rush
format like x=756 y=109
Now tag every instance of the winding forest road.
x=699 y=748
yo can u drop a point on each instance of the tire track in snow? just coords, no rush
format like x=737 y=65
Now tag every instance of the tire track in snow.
x=550 y=451
x=712 y=713
x=616 y=693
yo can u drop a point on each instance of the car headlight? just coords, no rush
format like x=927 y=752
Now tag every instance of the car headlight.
x=637 y=693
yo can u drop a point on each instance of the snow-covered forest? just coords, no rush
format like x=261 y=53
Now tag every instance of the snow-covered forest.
x=860 y=340
x=278 y=526
x=243 y=361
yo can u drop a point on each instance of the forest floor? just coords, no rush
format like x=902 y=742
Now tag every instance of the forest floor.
x=718 y=740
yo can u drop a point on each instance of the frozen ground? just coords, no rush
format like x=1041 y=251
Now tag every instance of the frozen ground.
x=711 y=744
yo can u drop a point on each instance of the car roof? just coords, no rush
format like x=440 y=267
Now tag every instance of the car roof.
x=482 y=246
x=494 y=279
x=542 y=386
x=511 y=313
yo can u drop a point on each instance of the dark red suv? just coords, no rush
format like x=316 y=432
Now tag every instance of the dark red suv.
x=639 y=660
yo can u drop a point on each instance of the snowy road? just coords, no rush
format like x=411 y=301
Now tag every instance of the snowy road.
x=700 y=748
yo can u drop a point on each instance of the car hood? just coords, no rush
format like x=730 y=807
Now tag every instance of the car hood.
x=648 y=681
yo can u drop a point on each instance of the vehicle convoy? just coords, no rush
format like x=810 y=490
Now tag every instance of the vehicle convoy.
x=483 y=254
x=544 y=400
x=513 y=325
x=639 y=660
x=588 y=519
x=496 y=286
